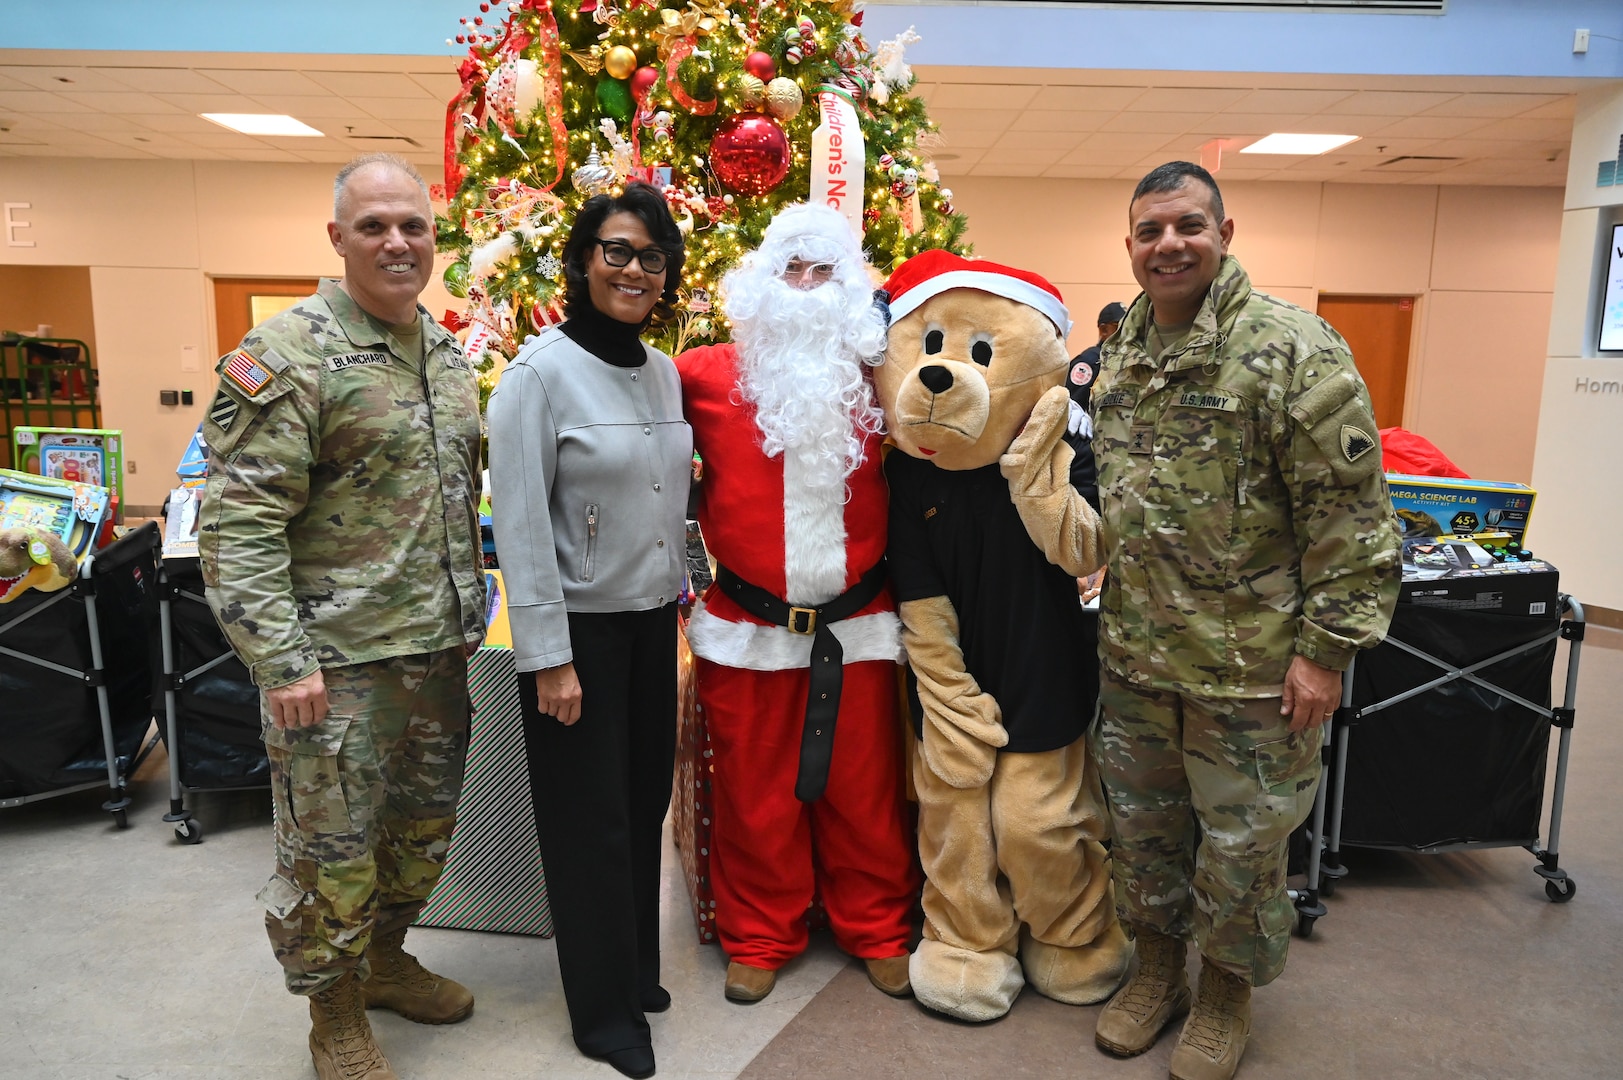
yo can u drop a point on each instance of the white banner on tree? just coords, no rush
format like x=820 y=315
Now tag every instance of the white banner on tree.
x=838 y=160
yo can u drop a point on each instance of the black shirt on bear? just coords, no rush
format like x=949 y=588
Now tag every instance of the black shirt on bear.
x=1024 y=635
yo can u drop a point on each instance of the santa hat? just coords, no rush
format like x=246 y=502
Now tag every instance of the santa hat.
x=932 y=272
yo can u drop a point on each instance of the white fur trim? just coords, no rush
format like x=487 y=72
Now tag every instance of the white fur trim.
x=813 y=535
x=753 y=647
x=1013 y=288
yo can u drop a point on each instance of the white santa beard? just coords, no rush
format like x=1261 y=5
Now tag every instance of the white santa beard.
x=814 y=569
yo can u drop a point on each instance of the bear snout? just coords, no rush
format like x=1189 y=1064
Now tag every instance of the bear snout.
x=937 y=379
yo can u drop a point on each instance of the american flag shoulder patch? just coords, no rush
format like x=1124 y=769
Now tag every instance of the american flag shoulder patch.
x=244 y=369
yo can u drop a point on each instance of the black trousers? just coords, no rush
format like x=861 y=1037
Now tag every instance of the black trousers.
x=600 y=789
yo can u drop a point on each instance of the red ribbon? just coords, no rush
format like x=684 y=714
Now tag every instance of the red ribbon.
x=679 y=52
x=470 y=72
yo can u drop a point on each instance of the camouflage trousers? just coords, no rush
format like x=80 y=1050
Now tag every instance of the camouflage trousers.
x=365 y=802
x=1203 y=795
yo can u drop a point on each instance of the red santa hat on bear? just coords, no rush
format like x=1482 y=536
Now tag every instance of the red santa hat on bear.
x=933 y=272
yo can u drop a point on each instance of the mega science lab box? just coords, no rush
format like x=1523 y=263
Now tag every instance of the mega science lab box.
x=1442 y=506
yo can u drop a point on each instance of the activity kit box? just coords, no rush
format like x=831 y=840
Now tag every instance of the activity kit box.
x=93 y=456
x=1442 y=505
x=1459 y=574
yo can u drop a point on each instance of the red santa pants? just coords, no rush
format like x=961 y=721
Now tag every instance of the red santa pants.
x=770 y=851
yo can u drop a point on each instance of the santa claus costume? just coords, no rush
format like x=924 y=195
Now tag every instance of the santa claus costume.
x=807 y=766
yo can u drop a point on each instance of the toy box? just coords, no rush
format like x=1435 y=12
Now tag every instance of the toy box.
x=93 y=456
x=77 y=513
x=1439 y=505
x=1460 y=575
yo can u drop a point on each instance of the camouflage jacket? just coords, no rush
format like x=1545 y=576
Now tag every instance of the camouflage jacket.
x=339 y=523
x=1245 y=510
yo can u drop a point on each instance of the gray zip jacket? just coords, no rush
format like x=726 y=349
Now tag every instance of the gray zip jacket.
x=589 y=472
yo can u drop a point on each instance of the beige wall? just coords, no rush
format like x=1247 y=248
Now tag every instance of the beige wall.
x=56 y=295
x=1481 y=261
x=152 y=234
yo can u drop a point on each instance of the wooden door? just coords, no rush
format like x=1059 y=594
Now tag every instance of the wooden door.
x=1378 y=328
x=240 y=304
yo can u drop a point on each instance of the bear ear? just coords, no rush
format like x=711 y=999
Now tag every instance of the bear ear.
x=881 y=300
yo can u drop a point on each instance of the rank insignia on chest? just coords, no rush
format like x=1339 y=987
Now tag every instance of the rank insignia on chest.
x=244 y=369
x=930 y=513
x=1141 y=439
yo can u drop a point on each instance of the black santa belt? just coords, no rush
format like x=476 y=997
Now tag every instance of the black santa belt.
x=827 y=661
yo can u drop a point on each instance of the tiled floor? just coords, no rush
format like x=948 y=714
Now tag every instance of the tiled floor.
x=128 y=956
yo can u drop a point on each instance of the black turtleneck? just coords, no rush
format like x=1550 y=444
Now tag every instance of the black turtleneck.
x=610 y=340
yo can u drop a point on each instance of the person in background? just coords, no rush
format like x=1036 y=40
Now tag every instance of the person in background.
x=339 y=541
x=1085 y=365
x=1252 y=552
x=808 y=790
x=590 y=465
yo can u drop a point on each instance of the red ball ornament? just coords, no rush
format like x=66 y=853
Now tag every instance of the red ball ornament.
x=642 y=81
x=750 y=153
x=761 y=65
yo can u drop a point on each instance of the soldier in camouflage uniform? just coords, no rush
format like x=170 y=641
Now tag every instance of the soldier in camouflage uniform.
x=340 y=546
x=1252 y=550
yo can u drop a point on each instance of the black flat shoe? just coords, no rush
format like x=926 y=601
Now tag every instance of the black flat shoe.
x=655 y=999
x=634 y=1061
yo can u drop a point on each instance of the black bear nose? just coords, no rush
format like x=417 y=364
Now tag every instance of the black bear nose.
x=936 y=378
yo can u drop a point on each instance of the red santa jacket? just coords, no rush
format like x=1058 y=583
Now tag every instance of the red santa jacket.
x=807 y=545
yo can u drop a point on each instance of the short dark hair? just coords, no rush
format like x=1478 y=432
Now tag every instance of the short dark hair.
x=1172 y=176
x=648 y=206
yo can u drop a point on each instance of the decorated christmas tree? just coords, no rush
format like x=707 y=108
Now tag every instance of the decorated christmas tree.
x=733 y=110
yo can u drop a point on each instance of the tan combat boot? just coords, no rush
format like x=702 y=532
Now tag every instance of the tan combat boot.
x=1213 y=1041
x=1156 y=995
x=341 y=1043
x=399 y=983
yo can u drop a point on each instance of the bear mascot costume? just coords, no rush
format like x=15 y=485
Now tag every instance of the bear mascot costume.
x=988 y=534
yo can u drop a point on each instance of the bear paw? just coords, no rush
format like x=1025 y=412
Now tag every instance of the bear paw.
x=1079 y=974
x=961 y=983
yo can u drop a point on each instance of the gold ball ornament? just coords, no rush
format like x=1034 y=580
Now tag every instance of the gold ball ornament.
x=751 y=90
x=620 y=62
x=783 y=98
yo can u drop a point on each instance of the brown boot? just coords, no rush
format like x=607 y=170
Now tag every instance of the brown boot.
x=889 y=975
x=746 y=984
x=1213 y=1041
x=399 y=983
x=341 y=1043
x=1156 y=995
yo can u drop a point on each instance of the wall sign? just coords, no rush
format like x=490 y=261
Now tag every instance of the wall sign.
x=1611 y=309
x=13 y=223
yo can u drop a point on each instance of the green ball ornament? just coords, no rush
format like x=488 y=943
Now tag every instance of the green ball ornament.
x=614 y=99
x=456 y=279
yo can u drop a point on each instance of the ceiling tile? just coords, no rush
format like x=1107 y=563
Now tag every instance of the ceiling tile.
x=58 y=77
x=1381 y=148
x=1195 y=99
x=982 y=96
x=1168 y=123
x=1061 y=142
x=219 y=139
x=36 y=101
x=1428 y=127
x=126 y=101
x=1126 y=140
x=254 y=83
x=1493 y=105
x=1558 y=132
x=208 y=103
x=1058 y=120
x=972 y=120
x=369 y=84
x=441 y=87
x=162 y=80
x=170 y=122
x=1564 y=109
x=1089 y=98
x=1289 y=101
x=310 y=109
x=94 y=122
x=970 y=140
x=992 y=167
x=1253 y=125
x=402 y=108
x=1101 y=157
x=1081 y=172
x=1022 y=158
x=1385 y=102
x=260 y=153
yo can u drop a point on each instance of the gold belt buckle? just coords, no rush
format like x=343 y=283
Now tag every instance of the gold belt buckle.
x=802 y=620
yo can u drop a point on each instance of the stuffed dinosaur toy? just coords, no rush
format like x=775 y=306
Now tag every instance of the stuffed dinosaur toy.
x=988 y=534
x=33 y=559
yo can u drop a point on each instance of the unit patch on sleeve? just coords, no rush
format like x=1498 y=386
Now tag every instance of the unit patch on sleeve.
x=355 y=359
x=1355 y=443
x=244 y=369
x=223 y=413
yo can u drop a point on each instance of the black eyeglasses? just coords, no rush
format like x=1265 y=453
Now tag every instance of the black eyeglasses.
x=619 y=253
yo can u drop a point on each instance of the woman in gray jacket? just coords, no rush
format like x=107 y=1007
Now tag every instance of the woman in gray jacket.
x=590 y=464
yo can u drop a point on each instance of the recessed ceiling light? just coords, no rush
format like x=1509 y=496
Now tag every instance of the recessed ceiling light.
x=261 y=124
x=1286 y=143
